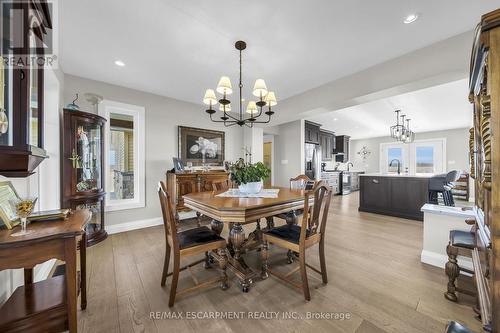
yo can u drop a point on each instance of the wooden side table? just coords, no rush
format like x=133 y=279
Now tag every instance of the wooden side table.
x=48 y=305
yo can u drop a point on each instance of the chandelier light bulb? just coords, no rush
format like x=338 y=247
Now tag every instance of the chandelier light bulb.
x=209 y=98
x=225 y=108
x=224 y=86
x=271 y=99
x=260 y=88
x=251 y=107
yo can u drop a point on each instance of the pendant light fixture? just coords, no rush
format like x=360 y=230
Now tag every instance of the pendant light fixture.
x=254 y=109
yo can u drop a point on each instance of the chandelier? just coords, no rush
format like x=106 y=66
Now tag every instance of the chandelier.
x=401 y=131
x=254 y=109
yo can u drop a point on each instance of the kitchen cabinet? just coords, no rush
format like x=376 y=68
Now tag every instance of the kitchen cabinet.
x=401 y=196
x=332 y=179
x=341 y=150
x=312 y=132
x=327 y=143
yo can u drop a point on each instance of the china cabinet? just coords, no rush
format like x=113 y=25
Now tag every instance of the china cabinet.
x=21 y=89
x=82 y=168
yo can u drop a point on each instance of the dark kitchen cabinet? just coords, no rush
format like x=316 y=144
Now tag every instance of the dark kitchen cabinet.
x=312 y=132
x=341 y=150
x=327 y=143
x=401 y=196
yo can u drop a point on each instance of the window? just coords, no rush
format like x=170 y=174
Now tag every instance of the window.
x=424 y=157
x=394 y=153
x=124 y=155
x=419 y=157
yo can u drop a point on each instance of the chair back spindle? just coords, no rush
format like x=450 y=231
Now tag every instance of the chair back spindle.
x=316 y=214
x=168 y=216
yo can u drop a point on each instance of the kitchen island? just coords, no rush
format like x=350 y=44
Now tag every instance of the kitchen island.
x=395 y=195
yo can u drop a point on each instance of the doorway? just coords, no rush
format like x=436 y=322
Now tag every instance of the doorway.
x=268 y=161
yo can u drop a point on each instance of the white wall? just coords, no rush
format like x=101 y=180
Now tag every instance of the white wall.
x=45 y=183
x=457 y=149
x=253 y=141
x=163 y=115
x=289 y=152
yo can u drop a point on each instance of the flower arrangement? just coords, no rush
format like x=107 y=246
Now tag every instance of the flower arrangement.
x=243 y=173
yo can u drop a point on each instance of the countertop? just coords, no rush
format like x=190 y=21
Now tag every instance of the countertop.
x=394 y=175
x=466 y=212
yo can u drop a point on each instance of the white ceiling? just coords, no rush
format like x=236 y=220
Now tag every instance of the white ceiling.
x=437 y=108
x=180 y=48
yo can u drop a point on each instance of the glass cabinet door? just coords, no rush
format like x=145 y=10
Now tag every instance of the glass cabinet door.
x=6 y=134
x=87 y=156
x=95 y=224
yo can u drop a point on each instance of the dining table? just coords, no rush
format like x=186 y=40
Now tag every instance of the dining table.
x=238 y=211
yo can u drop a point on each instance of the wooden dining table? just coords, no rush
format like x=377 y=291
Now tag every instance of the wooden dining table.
x=238 y=211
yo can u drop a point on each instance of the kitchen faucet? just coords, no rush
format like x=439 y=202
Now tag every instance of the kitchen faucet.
x=399 y=165
x=349 y=164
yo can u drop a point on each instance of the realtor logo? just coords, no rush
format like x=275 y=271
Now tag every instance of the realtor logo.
x=27 y=32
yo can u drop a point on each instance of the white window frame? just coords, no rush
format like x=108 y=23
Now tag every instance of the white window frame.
x=384 y=161
x=410 y=155
x=138 y=113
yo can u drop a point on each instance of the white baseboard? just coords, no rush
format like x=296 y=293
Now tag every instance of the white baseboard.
x=133 y=225
x=440 y=260
x=139 y=224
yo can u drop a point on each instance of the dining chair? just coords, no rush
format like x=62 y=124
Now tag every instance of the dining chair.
x=301 y=182
x=221 y=185
x=188 y=243
x=300 y=238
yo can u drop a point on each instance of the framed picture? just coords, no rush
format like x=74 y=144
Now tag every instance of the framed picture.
x=201 y=146
x=8 y=215
x=178 y=165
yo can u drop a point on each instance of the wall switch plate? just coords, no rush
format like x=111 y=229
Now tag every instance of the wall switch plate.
x=284 y=161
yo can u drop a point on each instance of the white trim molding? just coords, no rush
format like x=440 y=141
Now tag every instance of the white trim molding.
x=138 y=113
x=133 y=225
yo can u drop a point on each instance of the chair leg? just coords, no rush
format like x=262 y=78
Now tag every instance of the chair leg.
x=207 y=265
x=264 y=259
x=322 y=261
x=175 y=279
x=452 y=270
x=222 y=265
x=198 y=219
x=165 y=265
x=303 y=273
x=290 y=257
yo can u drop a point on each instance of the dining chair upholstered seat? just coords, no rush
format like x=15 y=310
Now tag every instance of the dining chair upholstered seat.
x=297 y=239
x=197 y=241
x=465 y=239
x=288 y=232
x=197 y=236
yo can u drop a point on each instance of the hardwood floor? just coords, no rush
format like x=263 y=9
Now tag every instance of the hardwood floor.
x=374 y=272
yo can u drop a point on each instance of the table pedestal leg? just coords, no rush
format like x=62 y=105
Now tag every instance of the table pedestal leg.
x=237 y=237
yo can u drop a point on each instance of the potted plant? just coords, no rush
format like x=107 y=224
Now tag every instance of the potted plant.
x=249 y=176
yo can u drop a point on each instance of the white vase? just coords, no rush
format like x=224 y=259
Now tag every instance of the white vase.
x=251 y=188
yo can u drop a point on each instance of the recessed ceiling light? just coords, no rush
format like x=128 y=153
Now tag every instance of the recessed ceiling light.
x=410 y=18
x=119 y=63
x=335 y=119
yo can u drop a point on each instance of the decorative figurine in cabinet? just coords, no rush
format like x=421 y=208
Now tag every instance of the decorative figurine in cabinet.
x=82 y=168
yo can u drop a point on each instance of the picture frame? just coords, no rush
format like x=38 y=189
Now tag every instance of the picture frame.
x=178 y=164
x=8 y=216
x=201 y=146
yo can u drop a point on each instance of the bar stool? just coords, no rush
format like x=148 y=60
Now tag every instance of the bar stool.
x=443 y=184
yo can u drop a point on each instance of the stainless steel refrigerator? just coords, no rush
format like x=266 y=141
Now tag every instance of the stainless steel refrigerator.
x=313 y=161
